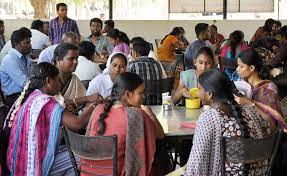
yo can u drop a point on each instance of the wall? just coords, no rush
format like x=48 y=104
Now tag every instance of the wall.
x=151 y=30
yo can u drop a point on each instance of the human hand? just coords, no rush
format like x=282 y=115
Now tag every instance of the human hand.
x=95 y=98
x=242 y=100
x=184 y=92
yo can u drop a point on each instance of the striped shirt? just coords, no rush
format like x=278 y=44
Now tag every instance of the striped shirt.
x=148 y=69
x=56 y=31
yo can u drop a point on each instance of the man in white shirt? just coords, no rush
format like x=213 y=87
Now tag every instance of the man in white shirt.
x=47 y=54
x=39 y=40
x=87 y=69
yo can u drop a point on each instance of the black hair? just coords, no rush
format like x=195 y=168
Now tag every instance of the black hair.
x=62 y=49
x=1 y=22
x=115 y=33
x=20 y=35
x=87 y=49
x=136 y=39
x=37 y=24
x=206 y=51
x=200 y=27
x=46 y=22
x=251 y=57
x=38 y=77
x=222 y=88
x=268 y=25
x=120 y=56
x=60 y=5
x=143 y=48
x=124 y=82
x=235 y=38
x=283 y=31
x=175 y=31
x=110 y=23
x=96 y=20
x=278 y=23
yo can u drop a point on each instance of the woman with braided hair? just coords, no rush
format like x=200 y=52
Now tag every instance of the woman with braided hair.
x=136 y=126
x=34 y=121
x=224 y=118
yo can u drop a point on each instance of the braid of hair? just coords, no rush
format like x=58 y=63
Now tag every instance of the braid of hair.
x=103 y=116
x=108 y=105
x=237 y=112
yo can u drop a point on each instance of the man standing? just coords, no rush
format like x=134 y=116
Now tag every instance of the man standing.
x=61 y=24
x=203 y=35
x=16 y=66
x=2 y=37
x=102 y=43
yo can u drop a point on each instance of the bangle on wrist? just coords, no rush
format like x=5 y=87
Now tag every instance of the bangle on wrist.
x=75 y=103
x=92 y=105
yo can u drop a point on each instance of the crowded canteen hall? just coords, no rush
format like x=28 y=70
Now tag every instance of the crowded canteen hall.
x=143 y=88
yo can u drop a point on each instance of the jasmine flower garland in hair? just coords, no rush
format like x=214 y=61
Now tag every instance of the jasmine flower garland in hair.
x=18 y=103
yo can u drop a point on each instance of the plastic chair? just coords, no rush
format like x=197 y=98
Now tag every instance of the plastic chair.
x=95 y=148
x=155 y=88
x=249 y=150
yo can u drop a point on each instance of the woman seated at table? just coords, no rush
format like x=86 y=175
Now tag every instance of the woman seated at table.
x=224 y=118
x=120 y=41
x=136 y=126
x=264 y=92
x=103 y=83
x=229 y=53
x=167 y=46
x=72 y=89
x=34 y=147
x=189 y=79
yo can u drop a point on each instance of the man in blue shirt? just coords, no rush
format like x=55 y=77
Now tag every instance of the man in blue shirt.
x=203 y=34
x=16 y=66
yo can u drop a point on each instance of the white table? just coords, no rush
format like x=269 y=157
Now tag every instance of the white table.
x=170 y=120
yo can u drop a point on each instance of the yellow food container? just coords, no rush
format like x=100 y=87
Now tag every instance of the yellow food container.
x=194 y=92
x=193 y=103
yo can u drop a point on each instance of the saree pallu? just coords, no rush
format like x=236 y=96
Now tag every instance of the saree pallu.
x=33 y=136
x=73 y=88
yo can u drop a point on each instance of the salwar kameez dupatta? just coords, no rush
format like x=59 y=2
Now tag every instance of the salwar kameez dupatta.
x=33 y=138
